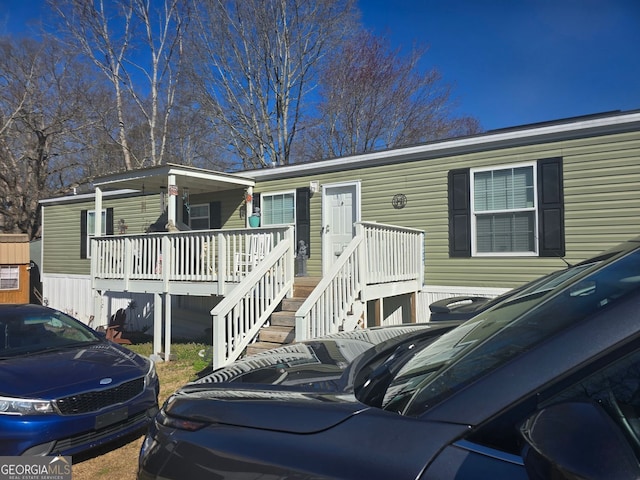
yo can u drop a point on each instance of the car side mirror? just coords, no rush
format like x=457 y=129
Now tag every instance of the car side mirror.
x=577 y=440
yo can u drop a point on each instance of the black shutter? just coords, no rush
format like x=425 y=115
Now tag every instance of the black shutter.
x=303 y=217
x=83 y=234
x=256 y=202
x=215 y=215
x=108 y=228
x=550 y=208
x=459 y=213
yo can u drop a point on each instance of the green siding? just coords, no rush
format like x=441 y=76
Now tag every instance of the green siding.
x=61 y=238
x=231 y=205
x=601 y=191
x=601 y=194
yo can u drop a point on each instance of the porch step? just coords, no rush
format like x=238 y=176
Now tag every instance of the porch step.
x=281 y=329
x=292 y=304
x=284 y=318
x=277 y=334
x=259 y=347
x=303 y=286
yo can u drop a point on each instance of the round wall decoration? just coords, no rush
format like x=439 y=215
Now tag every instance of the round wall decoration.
x=399 y=201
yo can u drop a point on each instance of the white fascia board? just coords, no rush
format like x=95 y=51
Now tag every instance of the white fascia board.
x=88 y=196
x=490 y=140
x=213 y=176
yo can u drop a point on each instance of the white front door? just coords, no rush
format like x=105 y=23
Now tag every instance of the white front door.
x=340 y=210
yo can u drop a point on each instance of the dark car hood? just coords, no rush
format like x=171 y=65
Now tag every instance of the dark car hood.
x=300 y=388
x=63 y=372
x=279 y=409
x=321 y=361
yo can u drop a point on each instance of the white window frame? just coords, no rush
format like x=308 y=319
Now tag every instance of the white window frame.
x=207 y=218
x=475 y=214
x=9 y=274
x=263 y=215
x=91 y=232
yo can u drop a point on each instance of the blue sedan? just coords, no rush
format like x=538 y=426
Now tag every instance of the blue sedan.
x=65 y=389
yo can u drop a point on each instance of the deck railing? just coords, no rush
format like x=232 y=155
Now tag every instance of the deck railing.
x=237 y=319
x=191 y=256
x=377 y=255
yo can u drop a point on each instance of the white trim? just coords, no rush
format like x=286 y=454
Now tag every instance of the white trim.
x=526 y=135
x=474 y=213
x=127 y=192
x=272 y=194
x=13 y=274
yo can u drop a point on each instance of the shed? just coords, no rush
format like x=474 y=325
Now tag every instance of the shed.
x=14 y=268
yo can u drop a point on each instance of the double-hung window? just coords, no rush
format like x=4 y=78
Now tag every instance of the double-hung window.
x=507 y=210
x=503 y=210
x=9 y=277
x=199 y=217
x=278 y=208
x=91 y=227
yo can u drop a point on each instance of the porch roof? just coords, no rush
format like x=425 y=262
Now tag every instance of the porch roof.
x=151 y=179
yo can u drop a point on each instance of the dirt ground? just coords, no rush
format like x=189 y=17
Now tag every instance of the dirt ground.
x=121 y=462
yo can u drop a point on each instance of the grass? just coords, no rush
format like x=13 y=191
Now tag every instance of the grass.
x=121 y=461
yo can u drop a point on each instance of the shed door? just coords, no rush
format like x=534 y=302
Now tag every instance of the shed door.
x=340 y=210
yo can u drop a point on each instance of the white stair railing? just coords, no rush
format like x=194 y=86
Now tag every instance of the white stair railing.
x=325 y=309
x=378 y=255
x=237 y=319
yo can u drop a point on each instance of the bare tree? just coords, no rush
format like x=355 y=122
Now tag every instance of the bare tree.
x=373 y=98
x=45 y=104
x=138 y=48
x=255 y=63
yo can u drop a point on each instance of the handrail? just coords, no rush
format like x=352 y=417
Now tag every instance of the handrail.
x=194 y=256
x=392 y=253
x=377 y=254
x=324 y=310
x=237 y=319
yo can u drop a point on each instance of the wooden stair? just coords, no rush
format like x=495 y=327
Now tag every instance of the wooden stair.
x=282 y=325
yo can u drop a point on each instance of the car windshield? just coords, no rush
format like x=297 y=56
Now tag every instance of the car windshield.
x=510 y=328
x=545 y=283
x=28 y=332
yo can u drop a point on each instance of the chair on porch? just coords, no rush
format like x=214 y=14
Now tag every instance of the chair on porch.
x=116 y=327
x=259 y=245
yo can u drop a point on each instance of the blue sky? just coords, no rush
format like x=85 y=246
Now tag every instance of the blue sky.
x=511 y=62
x=514 y=62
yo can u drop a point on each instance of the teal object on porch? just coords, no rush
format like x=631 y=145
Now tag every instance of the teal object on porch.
x=254 y=221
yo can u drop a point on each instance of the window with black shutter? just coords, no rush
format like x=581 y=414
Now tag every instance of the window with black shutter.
x=508 y=210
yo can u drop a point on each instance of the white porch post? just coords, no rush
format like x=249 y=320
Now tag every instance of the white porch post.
x=172 y=198
x=157 y=326
x=97 y=296
x=167 y=327
x=249 y=207
x=98 y=212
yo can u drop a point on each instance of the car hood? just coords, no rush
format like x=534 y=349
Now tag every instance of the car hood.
x=253 y=406
x=63 y=372
x=299 y=388
x=320 y=362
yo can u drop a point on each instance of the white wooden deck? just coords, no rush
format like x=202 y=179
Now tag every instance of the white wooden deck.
x=254 y=270
x=207 y=262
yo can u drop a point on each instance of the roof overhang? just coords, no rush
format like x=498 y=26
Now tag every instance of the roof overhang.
x=152 y=179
